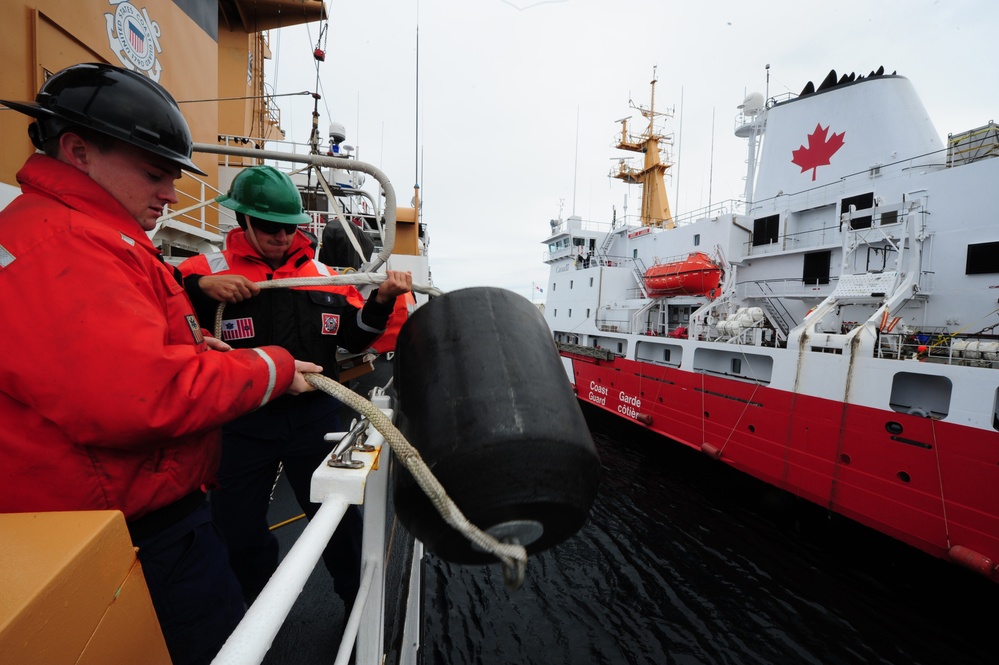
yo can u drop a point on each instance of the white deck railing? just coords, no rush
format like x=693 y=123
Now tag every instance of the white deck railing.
x=335 y=489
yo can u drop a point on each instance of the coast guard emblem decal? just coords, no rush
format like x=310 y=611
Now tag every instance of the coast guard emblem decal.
x=134 y=38
x=331 y=323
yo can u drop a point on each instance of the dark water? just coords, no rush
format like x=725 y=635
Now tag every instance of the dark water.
x=685 y=561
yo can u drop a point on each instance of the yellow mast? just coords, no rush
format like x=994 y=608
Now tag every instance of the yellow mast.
x=655 y=203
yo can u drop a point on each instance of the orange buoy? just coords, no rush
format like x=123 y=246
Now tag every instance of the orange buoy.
x=972 y=560
x=711 y=451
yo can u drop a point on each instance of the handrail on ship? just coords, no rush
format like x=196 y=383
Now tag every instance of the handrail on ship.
x=326 y=161
x=335 y=489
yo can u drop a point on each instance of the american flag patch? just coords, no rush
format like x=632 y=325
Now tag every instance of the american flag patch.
x=331 y=324
x=192 y=321
x=237 y=329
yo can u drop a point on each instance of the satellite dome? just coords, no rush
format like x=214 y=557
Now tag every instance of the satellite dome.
x=753 y=104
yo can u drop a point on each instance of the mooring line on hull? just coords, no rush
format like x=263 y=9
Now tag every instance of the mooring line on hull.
x=943 y=502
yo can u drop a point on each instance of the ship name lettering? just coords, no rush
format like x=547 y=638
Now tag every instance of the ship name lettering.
x=597 y=388
x=627 y=410
x=597 y=399
x=630 y=399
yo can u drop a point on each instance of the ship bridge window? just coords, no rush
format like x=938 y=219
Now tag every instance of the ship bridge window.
x=921 y=394
x=861 y=202
x=983 y=258
x=816 y=268
x=765 y=230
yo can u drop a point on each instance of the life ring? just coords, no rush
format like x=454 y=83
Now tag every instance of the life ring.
x=918 y=411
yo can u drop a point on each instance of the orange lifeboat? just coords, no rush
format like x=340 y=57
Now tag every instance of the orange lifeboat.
x=696 y=275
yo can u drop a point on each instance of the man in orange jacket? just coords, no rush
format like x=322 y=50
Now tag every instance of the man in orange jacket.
x=312 y=322
x=110 y=396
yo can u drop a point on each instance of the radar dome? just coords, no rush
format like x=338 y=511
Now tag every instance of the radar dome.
x=753 y=104
x=337 y=132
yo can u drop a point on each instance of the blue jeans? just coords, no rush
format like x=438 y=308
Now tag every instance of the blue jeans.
x=289 y=431
x=194 y=591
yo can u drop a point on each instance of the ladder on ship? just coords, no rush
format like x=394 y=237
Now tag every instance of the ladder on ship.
x=888 y=289
x=638 y=269
x=772 y=306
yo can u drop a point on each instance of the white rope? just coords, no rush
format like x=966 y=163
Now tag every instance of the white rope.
x=513 y=556
x=354 y=278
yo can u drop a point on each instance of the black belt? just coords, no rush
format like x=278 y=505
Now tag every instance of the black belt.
x=164 y=517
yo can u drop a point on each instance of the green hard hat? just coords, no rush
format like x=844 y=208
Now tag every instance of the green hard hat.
x=265 y=193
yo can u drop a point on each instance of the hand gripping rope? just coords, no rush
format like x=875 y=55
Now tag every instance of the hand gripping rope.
x=513 y=556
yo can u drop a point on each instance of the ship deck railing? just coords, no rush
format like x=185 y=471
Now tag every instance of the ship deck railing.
x=941 y=347
x=336 y=489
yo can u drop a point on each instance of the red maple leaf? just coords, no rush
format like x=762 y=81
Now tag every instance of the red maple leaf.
x=819 y=149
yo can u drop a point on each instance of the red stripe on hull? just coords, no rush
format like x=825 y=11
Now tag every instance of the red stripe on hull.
x=933 y=485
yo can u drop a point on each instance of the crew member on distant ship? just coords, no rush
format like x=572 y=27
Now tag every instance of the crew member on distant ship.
x=312 y=322
x=113 y=397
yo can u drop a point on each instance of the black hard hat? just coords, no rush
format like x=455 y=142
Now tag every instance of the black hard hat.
x=113 y=101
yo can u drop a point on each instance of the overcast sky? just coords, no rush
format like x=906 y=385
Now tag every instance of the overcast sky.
x=518 y=99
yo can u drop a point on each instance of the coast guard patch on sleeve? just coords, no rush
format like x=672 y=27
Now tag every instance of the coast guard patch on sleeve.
x=331 y=324
x=237 y=329
x=192 y=321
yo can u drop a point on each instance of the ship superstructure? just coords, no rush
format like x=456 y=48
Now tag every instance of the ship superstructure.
x=834 y=333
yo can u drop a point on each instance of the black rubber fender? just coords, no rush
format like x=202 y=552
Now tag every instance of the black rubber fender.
x=483 y=395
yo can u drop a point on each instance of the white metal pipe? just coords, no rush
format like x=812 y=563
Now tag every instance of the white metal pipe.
x=354 y=622
x=332 y=162
x=255 y=633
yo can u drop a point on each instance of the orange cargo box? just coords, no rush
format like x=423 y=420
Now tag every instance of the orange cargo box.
x=73 y=592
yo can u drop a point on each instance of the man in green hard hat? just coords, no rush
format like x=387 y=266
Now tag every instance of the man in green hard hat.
x=311 y=322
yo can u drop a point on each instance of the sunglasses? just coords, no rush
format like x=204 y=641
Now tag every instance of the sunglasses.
x=271 y=228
